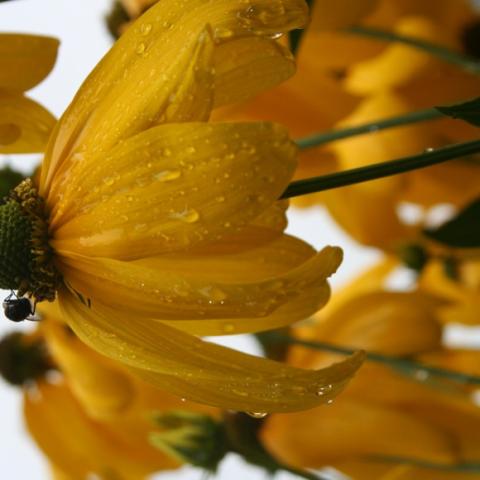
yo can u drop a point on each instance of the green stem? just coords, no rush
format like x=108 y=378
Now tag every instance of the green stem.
x=380 y=170
x=465 y=62
x=302 y=473
x=417 y=370
x=466 y=467
x=337 y=134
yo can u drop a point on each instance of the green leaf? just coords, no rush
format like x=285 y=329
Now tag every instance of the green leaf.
x=468 y=111
x=462 y=231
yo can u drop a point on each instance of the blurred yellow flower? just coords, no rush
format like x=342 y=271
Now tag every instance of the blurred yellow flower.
x=160 y=225
x=346 y=80
x=382 y=414
x=97 y=418
x=25 y=60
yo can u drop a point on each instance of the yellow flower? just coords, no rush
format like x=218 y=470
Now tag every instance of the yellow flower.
x=381 y=413
x=25 y=60
x=361 y=80
x=161 y=225
x=463 y=293
x=98 y=418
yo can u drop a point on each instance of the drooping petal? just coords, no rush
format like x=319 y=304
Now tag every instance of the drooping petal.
x=132 y=87
x=146 y=196
x=185 y=365
x=25 y=60
x=79 y=446
x=24 y=124
x=173 y=289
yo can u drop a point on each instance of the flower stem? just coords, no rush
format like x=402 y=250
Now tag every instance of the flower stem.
x=337 y=134
x=412 y=368
x=466 y=467
x=465 y=62
x=380 y=170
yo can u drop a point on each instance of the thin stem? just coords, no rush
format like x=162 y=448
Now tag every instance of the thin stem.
x=302 y=473
x=417 y=370
x=338 y=134
x=381 y=170
x=467 y=63
x=467 y=467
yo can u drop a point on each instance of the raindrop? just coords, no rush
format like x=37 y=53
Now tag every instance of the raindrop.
x=324 y=390
x=258 y=415
x=140 y=48
x=167 y=175
x=108 y=181
x=228 y=327
x=187 y=216
x=145 y=29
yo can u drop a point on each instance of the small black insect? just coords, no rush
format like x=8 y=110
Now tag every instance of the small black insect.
x=18 y=309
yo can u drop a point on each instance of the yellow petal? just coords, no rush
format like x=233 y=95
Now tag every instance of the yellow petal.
x=246 y=66
x=103 y=389
x=201 y=371
x=25 y=60
x=388 y=322
x=301 y=109
x=171 y=289
x=132 y=87
x=341 y=13
x=399 y=63
x=146 y=197
x=384 y=145
x=78 y=445
x=349 y=429
x=370 y=217
x=24 y=124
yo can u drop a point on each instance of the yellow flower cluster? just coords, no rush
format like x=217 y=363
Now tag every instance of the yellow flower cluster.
x=156 y=219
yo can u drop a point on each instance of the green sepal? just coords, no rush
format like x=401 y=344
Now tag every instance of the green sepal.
x=462 y=231
x=191 y=437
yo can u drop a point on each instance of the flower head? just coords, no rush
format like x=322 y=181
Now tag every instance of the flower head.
x=150 y=224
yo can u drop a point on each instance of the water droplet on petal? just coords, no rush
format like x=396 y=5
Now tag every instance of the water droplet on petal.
x=257 y=414
x=167 y=175
x=145 y=29
x=228 y=327
x=140 y=48
x=187 y=215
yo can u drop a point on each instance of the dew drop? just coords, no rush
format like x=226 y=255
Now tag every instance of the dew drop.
x=167 y=152
x=140 y=48
x=167 y=175
x=429 y=150
x=324 y=390
x=228 y=327
x=108 y=181
x=258 y=415
x=145 y=29
x=187 y=215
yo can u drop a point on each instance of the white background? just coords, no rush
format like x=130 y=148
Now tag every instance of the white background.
x=84 y=39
